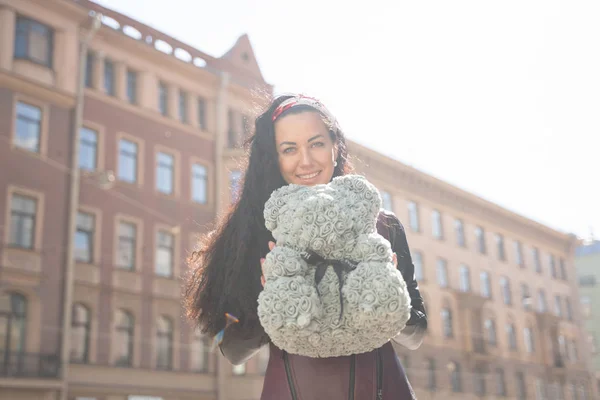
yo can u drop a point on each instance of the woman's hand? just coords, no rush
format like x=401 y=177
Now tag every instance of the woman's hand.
x=262 y=261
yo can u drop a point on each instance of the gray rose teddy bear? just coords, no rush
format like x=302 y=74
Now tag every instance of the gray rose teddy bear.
x=331 y=286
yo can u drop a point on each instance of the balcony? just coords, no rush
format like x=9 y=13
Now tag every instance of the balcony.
x=29 y=365
x=469 y=300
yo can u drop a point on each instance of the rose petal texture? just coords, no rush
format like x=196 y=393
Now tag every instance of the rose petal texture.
x=338 y=221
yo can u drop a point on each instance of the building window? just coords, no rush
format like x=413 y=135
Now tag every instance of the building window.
x=163 y=98
x=535 y=254
x=183 y=112
x=23 y=213
x=200 y=352
x=109 y=77
x=568 y=309
x=521 y=387
x=127 y=246
x=232 y=141
x=80 y=334
x=128 y=159
x=199 y=184
x=573 y=353
x=587 y=281
x=386 y=201
x=486 y=286
x=505 y=287
x=13 y=323
x=202 y=113
x=447 y=323
x=500 y=382
x=563 y=269
x=480 y=237
x=500 y=247
x=479 y=377
x=164 y=343
x=33 y=41
x=165 y=243
x=562 y=347
x=437 y=229
x=552 y=265
x=519 y=254
x=557 y=306
x=417 y=258
x=511 y=336
x=528 y=339
x=431 y=380
x=526 y=296
x=455 y=378
x=239 y=369
x=586 y=306
x=131 y=86
x=413 y=216
x=124 y=330
x=89 y=69
x=540 y=389
x=235 y=178
x=84 y=237
x=28 y=127
x=88 y=149
x=165 y=172
x=542 y=304
x=459 y=228
x=490 y=329
x=465 y=279
x=442 y=272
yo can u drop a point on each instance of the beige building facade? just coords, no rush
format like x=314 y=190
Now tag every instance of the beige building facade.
x=159 y=151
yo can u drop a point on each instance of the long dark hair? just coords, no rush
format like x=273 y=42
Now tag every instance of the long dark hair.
x=225 y=271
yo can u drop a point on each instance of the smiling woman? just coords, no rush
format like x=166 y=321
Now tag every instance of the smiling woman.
x=296 y=141
x=306 y=150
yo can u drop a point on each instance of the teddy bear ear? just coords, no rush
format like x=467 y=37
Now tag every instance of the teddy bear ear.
x=278 y=199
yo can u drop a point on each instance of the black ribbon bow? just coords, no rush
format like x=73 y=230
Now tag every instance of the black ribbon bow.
x=339 y=266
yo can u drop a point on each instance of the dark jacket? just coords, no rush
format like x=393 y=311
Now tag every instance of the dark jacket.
x=374 y=375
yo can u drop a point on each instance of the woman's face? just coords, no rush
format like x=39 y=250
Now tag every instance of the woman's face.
x=306 y=151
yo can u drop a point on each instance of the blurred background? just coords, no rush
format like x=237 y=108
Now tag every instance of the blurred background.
x=121 y=132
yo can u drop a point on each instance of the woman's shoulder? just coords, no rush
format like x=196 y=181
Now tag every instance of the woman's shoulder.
x=388 y=220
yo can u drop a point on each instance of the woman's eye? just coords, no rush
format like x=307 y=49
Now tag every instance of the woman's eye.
x=288 y=150
x=318 y=144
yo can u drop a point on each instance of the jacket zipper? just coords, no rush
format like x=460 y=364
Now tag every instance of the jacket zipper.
x=379 y=367
x=352 y=377
x=288 y=372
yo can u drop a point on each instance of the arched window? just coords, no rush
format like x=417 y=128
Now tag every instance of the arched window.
x=124 y=330
x=80 y=334
x=164 y=343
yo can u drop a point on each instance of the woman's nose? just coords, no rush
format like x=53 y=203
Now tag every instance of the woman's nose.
x=305 y=158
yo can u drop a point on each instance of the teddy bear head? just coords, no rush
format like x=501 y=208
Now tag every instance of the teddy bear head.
x=324 y=218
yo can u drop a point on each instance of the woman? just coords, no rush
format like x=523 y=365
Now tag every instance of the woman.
x=297 y=141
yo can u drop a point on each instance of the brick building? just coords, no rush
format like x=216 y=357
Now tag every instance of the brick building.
x=158 y=156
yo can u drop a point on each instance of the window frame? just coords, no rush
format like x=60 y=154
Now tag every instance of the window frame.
x=49 y=39
x=87 y=327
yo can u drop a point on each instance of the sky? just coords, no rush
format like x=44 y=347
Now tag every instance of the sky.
x=499 y=98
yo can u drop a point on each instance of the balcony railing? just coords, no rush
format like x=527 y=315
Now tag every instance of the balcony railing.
x=29 y=365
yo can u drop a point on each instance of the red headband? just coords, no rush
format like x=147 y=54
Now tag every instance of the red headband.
x=301 y=100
